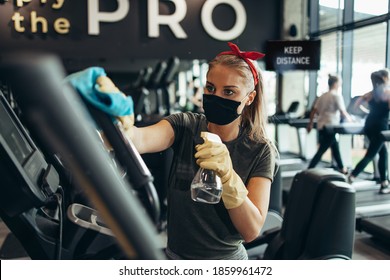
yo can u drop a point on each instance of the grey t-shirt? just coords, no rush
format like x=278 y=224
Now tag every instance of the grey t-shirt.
x=198 y=230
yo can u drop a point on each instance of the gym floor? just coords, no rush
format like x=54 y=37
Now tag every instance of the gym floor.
x=367 y=248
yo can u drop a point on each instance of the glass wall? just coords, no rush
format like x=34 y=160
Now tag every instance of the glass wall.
x=330 y=13
x=354 y=37
x=369 y=55
x=365 y=50
x=364 y=9
x=331 y=62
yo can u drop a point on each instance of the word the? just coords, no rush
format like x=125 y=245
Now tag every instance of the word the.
x=39 y=23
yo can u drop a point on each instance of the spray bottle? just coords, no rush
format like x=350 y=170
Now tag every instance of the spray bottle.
x=206 y=186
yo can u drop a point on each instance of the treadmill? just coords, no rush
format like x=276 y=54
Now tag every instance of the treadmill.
x=283 y=118
x=368 y=202
x=379 y=226
x=290 y=163
x=354 y=128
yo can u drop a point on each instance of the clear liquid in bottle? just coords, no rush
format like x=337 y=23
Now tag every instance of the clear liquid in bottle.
x=206 y=187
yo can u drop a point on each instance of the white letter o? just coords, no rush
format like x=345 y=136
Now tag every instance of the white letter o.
x=208 y=25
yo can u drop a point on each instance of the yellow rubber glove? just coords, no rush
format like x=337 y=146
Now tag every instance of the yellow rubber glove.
x=107 y=85
x=215 y=156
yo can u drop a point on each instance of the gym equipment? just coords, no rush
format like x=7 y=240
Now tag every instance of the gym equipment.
x=137 y=172
x=379 y=225
x=284 y=117
x=151 y=91
x=360 y=111
x=368 y=202
x=32 y=202
x=274 y=219
x=57 y=118
x=29 y=183
x=319 y=219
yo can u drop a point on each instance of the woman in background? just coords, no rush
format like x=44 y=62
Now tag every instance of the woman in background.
x=328 y=109
x=377 y=120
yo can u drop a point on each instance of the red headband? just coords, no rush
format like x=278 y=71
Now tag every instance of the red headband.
x=245 y=56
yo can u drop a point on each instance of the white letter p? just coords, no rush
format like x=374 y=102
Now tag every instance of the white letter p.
x=95 y=17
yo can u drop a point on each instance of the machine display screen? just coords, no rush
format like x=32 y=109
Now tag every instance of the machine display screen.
x=14 y=138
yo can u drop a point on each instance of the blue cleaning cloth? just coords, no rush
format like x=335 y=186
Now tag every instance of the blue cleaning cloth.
x=113 y=103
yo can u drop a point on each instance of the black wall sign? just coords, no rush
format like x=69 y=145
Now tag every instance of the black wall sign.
x=121 y=31
x=293 y=55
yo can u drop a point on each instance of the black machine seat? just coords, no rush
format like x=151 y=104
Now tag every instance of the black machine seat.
x=332 y=229
x=319 y=219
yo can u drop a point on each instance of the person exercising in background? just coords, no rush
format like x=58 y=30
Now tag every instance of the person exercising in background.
x=377 y=121
x=234 y=109
x=328 y=108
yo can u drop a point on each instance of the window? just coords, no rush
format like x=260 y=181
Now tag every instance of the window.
x=359 y=41
x=331 y=13
x=330 y=60
x=365 y=9
x=369 y=55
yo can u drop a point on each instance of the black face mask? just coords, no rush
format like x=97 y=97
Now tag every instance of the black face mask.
x=220 y=110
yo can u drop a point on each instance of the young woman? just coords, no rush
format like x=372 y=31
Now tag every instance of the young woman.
x=234 y=109
x=377 y=120
x=328 y=109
